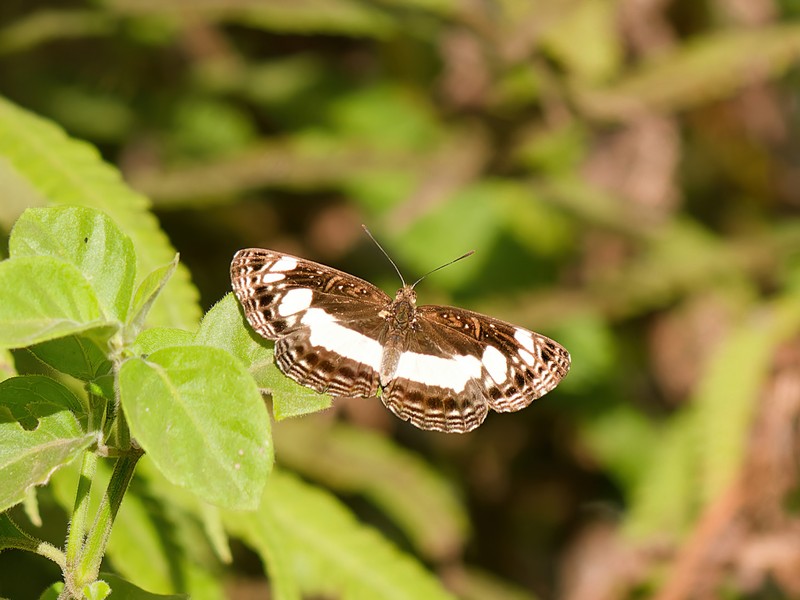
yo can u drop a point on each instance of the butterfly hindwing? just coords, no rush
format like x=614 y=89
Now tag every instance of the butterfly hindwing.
x=437 y=384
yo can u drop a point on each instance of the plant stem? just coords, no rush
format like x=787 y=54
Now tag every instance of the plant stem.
x=11 y=536
x=77 y=526
x=51 y=552
x=93 y=550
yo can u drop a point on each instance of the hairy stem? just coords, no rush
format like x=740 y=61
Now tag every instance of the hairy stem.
x=90 y=557
x=77 y=526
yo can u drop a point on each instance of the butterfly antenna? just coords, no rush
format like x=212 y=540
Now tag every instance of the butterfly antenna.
x=470 y=253
x=364 y=227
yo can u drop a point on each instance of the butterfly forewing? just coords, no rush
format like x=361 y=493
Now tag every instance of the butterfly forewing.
x=517 y=365
x=325 y=321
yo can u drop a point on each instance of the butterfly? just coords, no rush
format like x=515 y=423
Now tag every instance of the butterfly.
x=438 y=367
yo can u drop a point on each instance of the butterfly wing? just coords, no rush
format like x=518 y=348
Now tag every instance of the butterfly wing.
x=488 y=363
x=518 y=365
x=325 y=323
x=437 y=382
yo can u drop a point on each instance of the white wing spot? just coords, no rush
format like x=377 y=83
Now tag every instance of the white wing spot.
x=286 y=263
x=295 y=301
x=270 y=277
x=450 y=373
x=525 y=338
x=326 y=332
x=495 y=364
x=526 y=356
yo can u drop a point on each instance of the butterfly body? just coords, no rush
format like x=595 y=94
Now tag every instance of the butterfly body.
x=400 y=322
x=438 y=367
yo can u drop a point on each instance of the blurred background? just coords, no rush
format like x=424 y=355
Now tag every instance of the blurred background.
x=628 y=172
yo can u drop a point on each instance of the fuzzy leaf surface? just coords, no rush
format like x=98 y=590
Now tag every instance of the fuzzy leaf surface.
x=42 y=428
x=43 y=298
x=87 y=239
x=224 y=326
x=200 y=417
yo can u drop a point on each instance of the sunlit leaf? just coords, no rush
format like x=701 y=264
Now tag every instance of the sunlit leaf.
x=83 y=356
x=226 y=327
x=157 y=338
x=351 y=460
x=330 y=551
x=87 y=239
x=43 y=298
x=40 y=431
x=199 y=416
x=66 y=171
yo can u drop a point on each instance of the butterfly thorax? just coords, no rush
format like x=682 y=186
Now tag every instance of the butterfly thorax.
x=400 y=321
x=404 y=308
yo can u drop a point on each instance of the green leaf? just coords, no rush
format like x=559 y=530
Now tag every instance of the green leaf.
x=124 y=590
x=225 y=326
x=667 y=496
x=97 y=590
x=43 y=298
x=290 y=399
x=343 y=17
x=40 y=431
x=703 y=448
x=7 y=368
x=532 y=223
x=35 y=28
x=11 y=536
x=331 y=553
x=268 y=538
x=157 y=542
x=401 y=484
x=82 y=356
x=622 y=439
x=67 y=171
x=31 y=507
x=17 y=392
x=200 y=417
x=53 y=592
x=156 y=338
x=87 y=239
x=154 y=546
x=148 y=291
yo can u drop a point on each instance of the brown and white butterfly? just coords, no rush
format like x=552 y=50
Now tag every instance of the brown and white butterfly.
x=438 y=367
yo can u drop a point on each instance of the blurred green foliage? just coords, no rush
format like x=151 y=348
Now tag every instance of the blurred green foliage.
x=628 y=175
